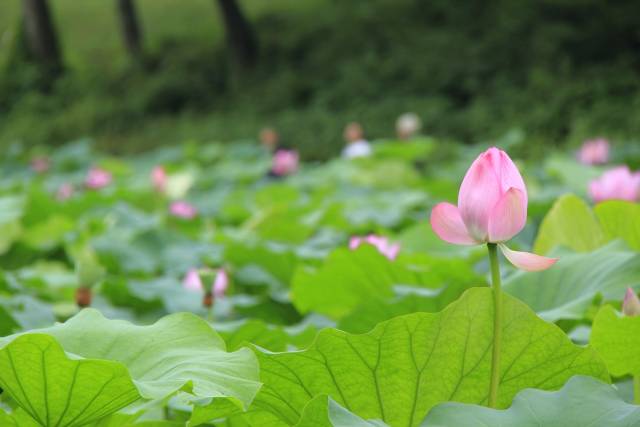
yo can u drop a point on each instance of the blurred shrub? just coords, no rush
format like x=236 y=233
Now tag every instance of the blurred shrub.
x=559 y=70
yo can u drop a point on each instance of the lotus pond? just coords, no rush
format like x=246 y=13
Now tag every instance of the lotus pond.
x=188 y=287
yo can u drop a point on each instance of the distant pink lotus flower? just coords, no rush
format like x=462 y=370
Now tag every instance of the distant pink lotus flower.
x=492 y=208
x=182 y=209
x=631 y=304
x=97 y=178
x=381 y=243
x=616 y=184
x=285 y=162
x=40 y=164
x=594 y=152
x=159 y=179
x=192 y=282
x=65 y=191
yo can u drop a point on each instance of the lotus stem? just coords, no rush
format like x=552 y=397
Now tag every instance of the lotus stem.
x=636 y=389
x=497 y=324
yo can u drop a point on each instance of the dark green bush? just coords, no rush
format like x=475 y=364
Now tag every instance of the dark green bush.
x=559 y=70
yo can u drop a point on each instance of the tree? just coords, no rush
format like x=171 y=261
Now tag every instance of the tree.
x=41 y=39
x=130 y=27
x=240 y=37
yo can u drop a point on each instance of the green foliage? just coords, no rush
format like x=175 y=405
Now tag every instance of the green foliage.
x=324 y=63
x=569 y=223
x=309 y=331
x=582 y=401
x=617 y=339
x=120 y=363
x=620 y=220
x=406 y=365
x=57 y=390
x=576 y=280
x=350 y=278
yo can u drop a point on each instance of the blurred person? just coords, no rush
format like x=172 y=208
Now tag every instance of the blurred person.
x=356 y=146
x=594 y=152
x=408 y=125
x=269 y=139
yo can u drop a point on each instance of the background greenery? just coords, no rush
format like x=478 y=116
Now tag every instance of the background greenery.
x=559 y=70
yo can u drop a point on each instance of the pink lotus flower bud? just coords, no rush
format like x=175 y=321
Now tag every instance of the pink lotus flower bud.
x=221 y=283
x=616 y=184
x=40 y=164
x=193 y=282
x=183 y=210
x=285 y=162
x=631 y=304
x=381 y=243
x=64 y=192
x=492 y=208
x=594 y=152
x=97 y=178
x=159 y=179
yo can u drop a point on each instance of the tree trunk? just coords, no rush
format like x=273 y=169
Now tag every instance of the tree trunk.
x=130 y=27
x=41 y=36
x=240 y=38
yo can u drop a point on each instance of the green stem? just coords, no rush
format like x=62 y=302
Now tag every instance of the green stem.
x=497 y=324
x=636 y=389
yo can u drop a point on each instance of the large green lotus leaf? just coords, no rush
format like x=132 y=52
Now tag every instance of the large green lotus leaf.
x=22 y=312
x=373 y=311
x=60 y=391
x=573 y=175
x=569 y=223
x=264 y=335
x=583 y=401
x=421 y=238
x=405 y=366
x=48 y=234
x=567 y=289
x=322 y=411
x=617 y=339
x=179 y=351
x=281 y=224
x=11 y=211
x=381 y=209
x=261 y=263
x=620 y=219
x=349 y=278
x=17 y=418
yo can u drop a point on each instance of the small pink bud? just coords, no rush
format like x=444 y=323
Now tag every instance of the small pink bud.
x=97 y=178
x=285 y=162
x=594 y=152
x=64 y=192
x=616 y=184
x=192 y=281
x=183 y=210
x=221 y=283
x=159 y=179
x=492 y=207
x=631 y=304
x=381 y=243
